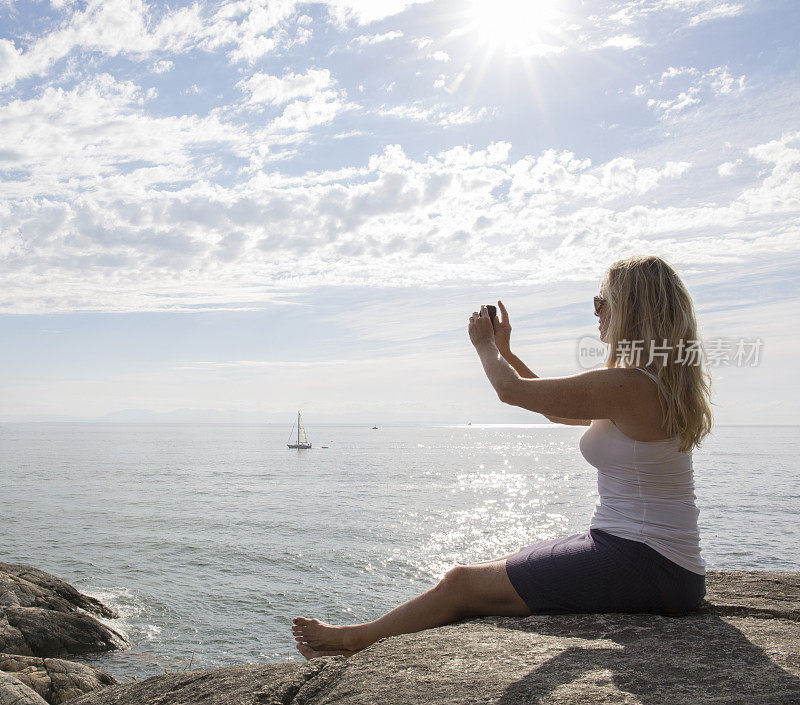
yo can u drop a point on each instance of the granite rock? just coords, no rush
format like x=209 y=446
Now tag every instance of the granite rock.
x=22 y=586
x=741 y=646
x=14 y=692
x=32 y=631
x=55 y=680
x=41 y=615
x=264 y=684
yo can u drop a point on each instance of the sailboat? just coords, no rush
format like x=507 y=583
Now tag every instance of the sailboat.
x=302 y=439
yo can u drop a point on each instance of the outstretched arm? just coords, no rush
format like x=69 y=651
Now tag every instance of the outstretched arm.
x=522 y=370
x=502 y=335
x=597 y=394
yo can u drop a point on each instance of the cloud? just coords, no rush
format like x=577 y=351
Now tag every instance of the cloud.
x=101 y=134
x=264 y=88
x=396 y=221
x=377 y=38
x=612 y=25
x=462 y=215
x=247 y=29
x=728 y=168
x=557 y=176
x=673 y=72
x=678 y=89
x=363 y=12
x=437 y=115
x=109 y=27
x=71 y=139
x=163 y=66
x=10 y=62
x=623 y=41
x=113 y=202
x=302 y=115
x=716 y=13
x=779 y=192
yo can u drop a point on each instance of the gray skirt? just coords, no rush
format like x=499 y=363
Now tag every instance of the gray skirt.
x=598 y=572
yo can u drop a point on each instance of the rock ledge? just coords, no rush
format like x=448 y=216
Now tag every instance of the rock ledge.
x=41 y=617
x=742 y=646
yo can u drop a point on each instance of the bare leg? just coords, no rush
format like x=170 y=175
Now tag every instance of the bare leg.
x=465 y=591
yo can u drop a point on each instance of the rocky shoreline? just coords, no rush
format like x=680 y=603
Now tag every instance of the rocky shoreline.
x=742 y=645
x=43 y=618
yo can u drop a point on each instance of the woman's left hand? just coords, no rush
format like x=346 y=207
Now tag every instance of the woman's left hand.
x=480 y=328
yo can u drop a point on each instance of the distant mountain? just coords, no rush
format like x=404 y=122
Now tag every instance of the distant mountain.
x=183 y=415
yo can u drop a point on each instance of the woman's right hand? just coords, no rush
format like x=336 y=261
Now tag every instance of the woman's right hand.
x=502 y=331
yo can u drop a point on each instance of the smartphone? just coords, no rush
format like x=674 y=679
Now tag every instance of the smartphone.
x=492 y=312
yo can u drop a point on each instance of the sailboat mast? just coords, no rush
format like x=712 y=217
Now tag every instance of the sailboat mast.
x=298 y=428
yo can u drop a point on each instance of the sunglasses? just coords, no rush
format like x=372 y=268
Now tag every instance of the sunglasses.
x=599 y=302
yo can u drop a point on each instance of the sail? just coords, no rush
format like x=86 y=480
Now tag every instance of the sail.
x=301 y=431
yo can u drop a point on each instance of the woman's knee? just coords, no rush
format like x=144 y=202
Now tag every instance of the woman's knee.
x=454 y=591
x=480 y=590
x=455 y=581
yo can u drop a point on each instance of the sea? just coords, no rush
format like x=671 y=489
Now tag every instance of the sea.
x=208 y=539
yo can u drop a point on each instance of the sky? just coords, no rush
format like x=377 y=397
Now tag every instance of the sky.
x=228 y=211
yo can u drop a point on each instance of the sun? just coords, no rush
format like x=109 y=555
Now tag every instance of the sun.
x=514 y=24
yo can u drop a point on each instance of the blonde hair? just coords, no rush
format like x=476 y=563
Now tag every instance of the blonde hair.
x=649 y=303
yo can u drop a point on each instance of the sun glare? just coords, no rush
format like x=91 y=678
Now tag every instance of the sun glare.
x=514 y=23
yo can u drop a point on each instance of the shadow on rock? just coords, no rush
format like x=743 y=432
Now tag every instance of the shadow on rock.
x=662 y=659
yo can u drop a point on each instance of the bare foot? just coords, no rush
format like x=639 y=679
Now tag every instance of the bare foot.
x=310 y=653
x=325 y=637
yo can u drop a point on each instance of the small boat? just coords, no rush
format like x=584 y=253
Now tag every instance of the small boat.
x=301 y=442
x=374 y=428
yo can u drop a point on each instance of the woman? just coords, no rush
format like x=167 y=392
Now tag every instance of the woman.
x=646 y=411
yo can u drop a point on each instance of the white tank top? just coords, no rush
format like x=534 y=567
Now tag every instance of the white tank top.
x=646 y=491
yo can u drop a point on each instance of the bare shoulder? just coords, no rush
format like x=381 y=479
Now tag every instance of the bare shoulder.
x=618 y=375
x=629 y=392
x=641 y=417
x=632 y=382
x=612 y=378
